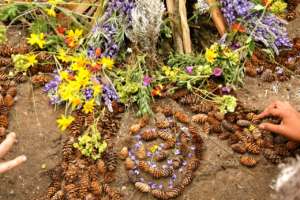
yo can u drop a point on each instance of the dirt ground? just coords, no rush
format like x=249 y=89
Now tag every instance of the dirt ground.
x=220 y=176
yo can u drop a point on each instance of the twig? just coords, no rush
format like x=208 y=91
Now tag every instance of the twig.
x=186 y=38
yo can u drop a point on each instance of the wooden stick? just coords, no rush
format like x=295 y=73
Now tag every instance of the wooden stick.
x=174 y=25
x=217 y=16
x=187 y=44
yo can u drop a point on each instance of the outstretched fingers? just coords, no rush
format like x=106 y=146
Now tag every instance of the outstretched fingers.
x=6 y=166
x=6 y=145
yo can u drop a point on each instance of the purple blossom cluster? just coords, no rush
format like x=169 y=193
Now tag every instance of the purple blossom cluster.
x=268 y=29
x=88 y=93
x=106 y=32
x=109 y=95
x=51 y=89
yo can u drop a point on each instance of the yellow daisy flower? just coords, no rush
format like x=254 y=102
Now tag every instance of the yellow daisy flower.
x=38 y=39
x=89 y=106
x=31 y=60
x=64 y=121
x=107 y=62
x=51 y=11
x=210 y=55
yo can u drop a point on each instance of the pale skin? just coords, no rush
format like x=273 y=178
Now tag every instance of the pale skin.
x=290 y=120
x=5 y=146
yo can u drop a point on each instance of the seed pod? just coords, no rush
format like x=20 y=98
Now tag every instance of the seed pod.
x=123 y=154
x=8 y=100
x=181 y=117
x=67 y=150
x=190 y=99
x=224 y=136
x=193 y=164
x=159 y=194
x=111 y=160
x=215 y=125
x=96 y=188
x=219 y=116
x=12 y=91
x=165 y=135
x=292 y=145
x=142 y=187
x=179 y=94
x=111 y=192
x=174 y=192
x=177 y=162
x=248 y=161
x=282 y=150
x=3 y=121
x=129 y=164
x=59 y=195
x=272 y=156
x=256 y=133
x=243 y=123
x=144 y=166
x=233 y=139
x=160 y=172
x=144 y=121
x=149 y=134
x=101 y=166
x=239 y=148
x=199 y=118
x=250 y=116
x=252 y=148
x=268 y=76
x=167 y=111
x=169 y=144
x=161 y=156
x=84 y=182
x=141 y=152
x=71 y=191
x=187 y=179
x=206 y=128
x=4 y=110
x=52 y=189
x=203 y=107
x=228 y=126
x=135 y=128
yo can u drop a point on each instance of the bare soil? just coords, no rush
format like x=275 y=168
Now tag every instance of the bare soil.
x=220 y=176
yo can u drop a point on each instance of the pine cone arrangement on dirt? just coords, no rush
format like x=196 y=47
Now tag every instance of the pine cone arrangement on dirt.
x=142 y=187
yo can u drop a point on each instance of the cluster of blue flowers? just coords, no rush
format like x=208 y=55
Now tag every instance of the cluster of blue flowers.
x=268 y=29
x=109 y=95
x=108 y=33
x=51 y=89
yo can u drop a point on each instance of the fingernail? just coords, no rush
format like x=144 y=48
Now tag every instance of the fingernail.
x=262 y=126
x=23 y=158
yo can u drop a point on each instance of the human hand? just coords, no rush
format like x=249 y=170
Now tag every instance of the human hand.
x=5 y=146
x=290 y=120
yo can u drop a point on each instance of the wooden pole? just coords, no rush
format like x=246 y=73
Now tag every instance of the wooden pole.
x=217 y=16
x=186 y=38
x=174 y=25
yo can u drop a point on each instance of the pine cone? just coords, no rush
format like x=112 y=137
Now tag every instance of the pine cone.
x=111 y=159
x=40 y=80
x=272 y=156
x=248 y=161
x=3 y=121
x=268 y=76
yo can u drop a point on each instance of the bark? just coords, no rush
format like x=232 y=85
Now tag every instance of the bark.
x=217 y=16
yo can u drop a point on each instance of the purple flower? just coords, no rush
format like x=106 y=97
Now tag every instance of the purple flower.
x=217 y=72
x=279 y=70
x=154 y=186
x=147 y=80
x=137 y=172
x=177 y=152
x=149 y=154
x=184 y=163
x=169 y=162
x=160 y=186
x=189 y=69
x=226 y=90
x=174 y=176
x=190 y=155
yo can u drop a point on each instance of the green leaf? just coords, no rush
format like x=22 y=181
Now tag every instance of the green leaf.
x=258 y=7
x=39 y=26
